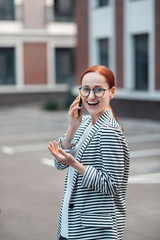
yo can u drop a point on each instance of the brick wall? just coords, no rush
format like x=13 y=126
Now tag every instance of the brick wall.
x=35 y=63
x=157 y=43
x=136 y=108
x=81 y=15
x=119 y=42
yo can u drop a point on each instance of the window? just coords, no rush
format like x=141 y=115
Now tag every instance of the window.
x=63 y=10
x=102 y=3
x=141 y=62
x=7 y=10
x=64 y=59
x=103 y=52
x=7 y=66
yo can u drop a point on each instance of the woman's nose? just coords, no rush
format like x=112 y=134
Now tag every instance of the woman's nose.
x=91 y=95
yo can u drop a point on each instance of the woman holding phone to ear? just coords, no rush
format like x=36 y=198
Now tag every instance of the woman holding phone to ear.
x=96 y=154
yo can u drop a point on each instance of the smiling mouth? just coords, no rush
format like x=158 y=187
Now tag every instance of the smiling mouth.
x=92 y=103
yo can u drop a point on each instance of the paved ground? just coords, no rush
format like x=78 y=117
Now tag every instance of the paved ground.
x=31 y=188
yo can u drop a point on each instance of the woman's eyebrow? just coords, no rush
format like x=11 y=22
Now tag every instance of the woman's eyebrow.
x=97 y=86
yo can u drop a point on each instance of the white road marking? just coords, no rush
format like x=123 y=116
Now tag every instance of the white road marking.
x=24 y=148
x=137 y=179
x=7 y=150
x=145 y=153
x=45 y=135
x=151 y=178
x=30 y=136
x=48 y=162
x=143 y=138
x=43 y=146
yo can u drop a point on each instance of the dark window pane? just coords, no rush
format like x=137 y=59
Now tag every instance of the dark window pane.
x=64 y=65
x=63 y=10
x=7 y=66
x=103 y=3
x=7 y=10
x=103 y=52
x=141 y=61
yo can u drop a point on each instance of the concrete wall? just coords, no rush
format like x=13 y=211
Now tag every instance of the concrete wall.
x=34 y=14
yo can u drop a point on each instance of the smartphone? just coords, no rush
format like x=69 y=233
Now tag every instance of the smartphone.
x=78 y=112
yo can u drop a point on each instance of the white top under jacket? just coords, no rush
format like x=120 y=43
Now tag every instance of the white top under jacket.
x=64 y=223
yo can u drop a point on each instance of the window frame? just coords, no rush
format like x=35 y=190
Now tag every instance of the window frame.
x=136 y=86
x=12 y=66
x=8 y=12
x=72 y=65
x=62 y=16
x=101 y=51
x=100 y=4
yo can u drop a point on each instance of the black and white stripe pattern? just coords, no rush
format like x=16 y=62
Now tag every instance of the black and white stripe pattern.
x=98 y=209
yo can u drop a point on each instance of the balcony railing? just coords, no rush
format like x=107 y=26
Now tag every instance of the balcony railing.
x=11 y=14
x=53 y=15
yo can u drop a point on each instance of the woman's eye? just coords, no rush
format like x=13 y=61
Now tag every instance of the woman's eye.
x=98 y=89
x=86 y=89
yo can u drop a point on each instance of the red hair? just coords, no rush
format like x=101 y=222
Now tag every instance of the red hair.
x=107 y=74
x=104 y=71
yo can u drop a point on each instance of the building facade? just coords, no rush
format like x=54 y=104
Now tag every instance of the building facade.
x=45 y=45
x=37 y=49
x=125 y=36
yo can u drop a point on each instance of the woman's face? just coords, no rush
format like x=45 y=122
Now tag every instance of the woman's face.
x=94 y=105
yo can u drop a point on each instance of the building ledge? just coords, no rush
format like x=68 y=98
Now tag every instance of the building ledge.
x=11 y=27
x=138 y=95
x=33 y=89
x=63 y=28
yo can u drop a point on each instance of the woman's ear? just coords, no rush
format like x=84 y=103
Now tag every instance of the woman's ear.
x=112 y=92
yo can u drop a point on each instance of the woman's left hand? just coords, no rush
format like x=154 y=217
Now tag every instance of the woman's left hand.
x=60 y=155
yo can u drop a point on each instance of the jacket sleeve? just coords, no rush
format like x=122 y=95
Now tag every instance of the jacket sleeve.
x=72 y=150
x=108 y=179
x=61 y=166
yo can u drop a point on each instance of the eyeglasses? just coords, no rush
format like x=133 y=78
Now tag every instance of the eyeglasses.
x=98 y=92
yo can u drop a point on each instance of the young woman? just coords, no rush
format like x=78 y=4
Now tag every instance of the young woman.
x=97 y=156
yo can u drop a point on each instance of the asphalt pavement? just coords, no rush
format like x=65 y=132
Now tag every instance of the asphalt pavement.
x=31 y=188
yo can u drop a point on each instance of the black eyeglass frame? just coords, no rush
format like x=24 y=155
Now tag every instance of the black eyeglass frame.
x=93 y=89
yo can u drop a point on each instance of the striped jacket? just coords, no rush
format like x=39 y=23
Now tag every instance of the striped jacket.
x=97 y=208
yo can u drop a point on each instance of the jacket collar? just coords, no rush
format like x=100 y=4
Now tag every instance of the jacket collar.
x=105 y=118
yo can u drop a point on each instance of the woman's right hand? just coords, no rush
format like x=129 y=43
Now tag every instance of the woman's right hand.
x=74 y=122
